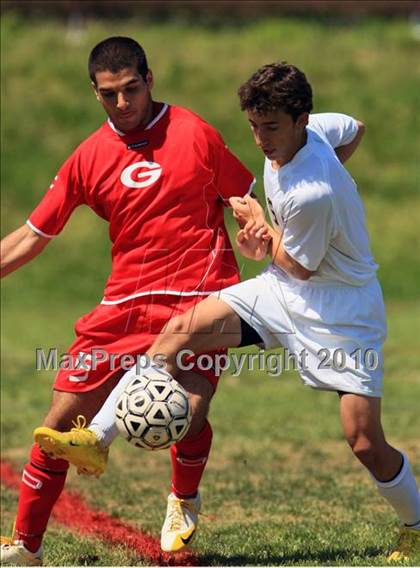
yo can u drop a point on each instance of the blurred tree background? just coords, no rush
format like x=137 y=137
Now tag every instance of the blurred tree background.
x=362 y=58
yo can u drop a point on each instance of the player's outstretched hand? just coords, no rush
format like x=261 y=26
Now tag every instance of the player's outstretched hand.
x=252 y=246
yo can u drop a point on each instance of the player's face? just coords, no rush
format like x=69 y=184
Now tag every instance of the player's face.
x=126 y=97
x=278 y=135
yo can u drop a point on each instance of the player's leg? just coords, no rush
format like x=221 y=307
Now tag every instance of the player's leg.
x=189 y=457
x=389 y=468
x=190 y=454
x=43 y=478
x=79 y=446
x=100 y=365
x=209 y=325
x=216 y=325
x=65 y=406
x=360 y=418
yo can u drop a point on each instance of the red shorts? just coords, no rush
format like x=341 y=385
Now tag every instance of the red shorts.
x=111 y=336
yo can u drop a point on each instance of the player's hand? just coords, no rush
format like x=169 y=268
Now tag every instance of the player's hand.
x=258 y=229
x=251 y=246
x=246 y=209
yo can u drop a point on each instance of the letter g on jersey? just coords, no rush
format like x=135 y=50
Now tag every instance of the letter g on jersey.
x=147 y=172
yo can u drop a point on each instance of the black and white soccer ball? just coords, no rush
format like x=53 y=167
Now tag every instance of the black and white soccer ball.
x=153 y=412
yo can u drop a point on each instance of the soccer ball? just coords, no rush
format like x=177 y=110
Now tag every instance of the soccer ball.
x=153 y=411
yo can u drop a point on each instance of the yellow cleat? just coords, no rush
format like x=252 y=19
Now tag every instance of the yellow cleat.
x=80 y=447
x=180 y=523
x=408 y=546
x=14 y=553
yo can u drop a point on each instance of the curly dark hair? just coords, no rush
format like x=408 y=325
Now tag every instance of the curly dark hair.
x=277 y=86
x=115 y=54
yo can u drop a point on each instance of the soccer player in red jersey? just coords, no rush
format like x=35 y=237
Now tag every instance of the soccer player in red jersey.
x=161 y=176
x=318 y=296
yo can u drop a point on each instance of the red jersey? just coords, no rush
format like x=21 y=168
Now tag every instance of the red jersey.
x=162 y=188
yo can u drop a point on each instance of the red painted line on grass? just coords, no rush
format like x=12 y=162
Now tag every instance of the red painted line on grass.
x=72 y=511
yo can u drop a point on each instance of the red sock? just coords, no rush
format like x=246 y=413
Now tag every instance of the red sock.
x=42 y=482
x=189 y=458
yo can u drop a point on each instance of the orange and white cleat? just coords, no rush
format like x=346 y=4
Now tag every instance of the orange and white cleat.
x=180 y=523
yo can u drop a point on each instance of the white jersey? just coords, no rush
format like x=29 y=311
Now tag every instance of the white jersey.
x=313 y=201
x=335 y=321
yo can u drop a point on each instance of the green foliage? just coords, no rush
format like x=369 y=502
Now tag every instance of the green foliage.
x=368 y=70
x=281 y=486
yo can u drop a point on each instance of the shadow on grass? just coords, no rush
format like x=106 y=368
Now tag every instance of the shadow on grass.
x=333 y=556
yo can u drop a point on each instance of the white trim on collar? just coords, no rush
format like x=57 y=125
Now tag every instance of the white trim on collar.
x=158 y=117
x=148 y=127
x=114 y=128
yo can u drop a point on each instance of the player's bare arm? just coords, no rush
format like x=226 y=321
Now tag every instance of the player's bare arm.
x=282 y=259
x=19 y=247
x=346 y=151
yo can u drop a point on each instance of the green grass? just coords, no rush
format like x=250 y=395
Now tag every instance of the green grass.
x=368 y=69
x=281 y=486
x=65 y=548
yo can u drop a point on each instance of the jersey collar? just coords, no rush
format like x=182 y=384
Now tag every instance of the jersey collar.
x=148 y=127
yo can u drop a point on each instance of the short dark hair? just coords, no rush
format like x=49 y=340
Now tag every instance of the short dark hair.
x=277 y=86
x=115 y=54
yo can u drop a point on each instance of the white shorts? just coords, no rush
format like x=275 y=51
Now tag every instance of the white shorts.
x=336 y=331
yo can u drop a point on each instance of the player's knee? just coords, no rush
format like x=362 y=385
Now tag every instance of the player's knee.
x=365 y=454
x=178 y=330
x=363 y=448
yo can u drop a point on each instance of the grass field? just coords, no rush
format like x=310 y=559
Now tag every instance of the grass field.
x=281 y=486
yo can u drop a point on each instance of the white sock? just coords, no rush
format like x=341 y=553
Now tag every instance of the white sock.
x=403 y=495
x=103 y=423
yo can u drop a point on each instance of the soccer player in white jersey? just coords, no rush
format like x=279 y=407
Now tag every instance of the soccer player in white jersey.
x=319 y=297
x=161 y=176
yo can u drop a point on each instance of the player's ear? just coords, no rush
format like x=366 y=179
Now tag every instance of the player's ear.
x=149 y=79
x=302 y=119
x=95 y=90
